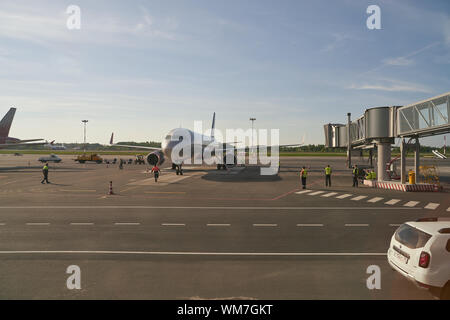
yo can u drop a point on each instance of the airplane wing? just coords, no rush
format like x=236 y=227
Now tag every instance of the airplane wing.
x=262 y=146
x=4 y=145
x=30 y=140
x=128 y=146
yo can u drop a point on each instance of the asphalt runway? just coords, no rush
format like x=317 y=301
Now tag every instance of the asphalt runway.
x=207 y=234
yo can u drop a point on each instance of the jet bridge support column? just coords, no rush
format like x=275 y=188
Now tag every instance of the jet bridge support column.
x=403 y=161
x=384 y=156
x=417 y=158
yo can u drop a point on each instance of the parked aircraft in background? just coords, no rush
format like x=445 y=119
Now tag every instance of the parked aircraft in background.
x=5 y=140
x=53 y=146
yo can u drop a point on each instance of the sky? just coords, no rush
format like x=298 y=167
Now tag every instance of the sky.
x=141 y=68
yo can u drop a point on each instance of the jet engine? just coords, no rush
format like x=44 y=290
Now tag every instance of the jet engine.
x=155 y=158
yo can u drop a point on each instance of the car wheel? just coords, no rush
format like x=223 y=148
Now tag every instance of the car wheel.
x=445 y=292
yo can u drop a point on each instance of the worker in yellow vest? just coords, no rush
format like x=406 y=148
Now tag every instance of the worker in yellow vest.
x=328 y=176
x=303 y=175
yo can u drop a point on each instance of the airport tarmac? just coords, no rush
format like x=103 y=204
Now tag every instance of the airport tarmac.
x=205 y=234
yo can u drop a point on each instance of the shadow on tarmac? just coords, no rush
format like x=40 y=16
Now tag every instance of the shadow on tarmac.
x=248 y=174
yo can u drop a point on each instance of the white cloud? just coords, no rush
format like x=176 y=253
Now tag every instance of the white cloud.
x=391 y=86
x=400 y=61
x=338 y=40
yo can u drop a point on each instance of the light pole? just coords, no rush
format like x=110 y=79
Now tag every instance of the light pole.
x=85 y=121
x=252 y=120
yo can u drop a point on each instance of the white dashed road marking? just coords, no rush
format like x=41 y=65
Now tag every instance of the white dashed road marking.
x=343 y=196
x=411 y=204
x=310 y=225
x=392 y=201
x=356 y=225
x=265 y=225
x=394 y=225
x=303 y=191
x=329 y=194
x=127 y=223
x=358 y=198
x=432 y=206
x=173 y=224
x=218 y=224
x=81 y=223
x=38 y=224
x=376 y=199
x=316 y=193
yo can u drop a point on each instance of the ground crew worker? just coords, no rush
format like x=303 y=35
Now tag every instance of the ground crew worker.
x=179 y=169
x=303 y=175
x=156 y=172
x=45 y=172
x=373 y=175
x=328 y=176
x=355 y=175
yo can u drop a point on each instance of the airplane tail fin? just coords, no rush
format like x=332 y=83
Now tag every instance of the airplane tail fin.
x=213 y=126
x=6 y=122
x=112 y=138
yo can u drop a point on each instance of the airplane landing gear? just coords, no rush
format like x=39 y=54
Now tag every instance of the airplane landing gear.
x=179 y=169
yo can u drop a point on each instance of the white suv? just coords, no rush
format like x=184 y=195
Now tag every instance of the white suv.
x=420 y=251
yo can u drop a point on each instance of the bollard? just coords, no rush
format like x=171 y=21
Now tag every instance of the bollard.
x=110 y=188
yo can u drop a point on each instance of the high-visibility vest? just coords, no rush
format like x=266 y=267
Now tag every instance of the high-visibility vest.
x=327 y=170
x=374 y=175
x=355 y=171
x=45 y=168
x=304 y=173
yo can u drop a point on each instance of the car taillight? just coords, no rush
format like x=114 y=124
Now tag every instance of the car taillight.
x=424 y=260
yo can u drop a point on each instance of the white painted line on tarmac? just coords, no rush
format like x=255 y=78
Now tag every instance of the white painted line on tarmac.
x=329 y=194
x=127 y=223
x=202 y=208
x=315 y=193
x=304 y=191
x=343 y=196
x=356 y=224
x=309 y=225
x=218 y=225
x=376 y=199
x=2 y=224
x=265 y=225
x=81 y=223
x=392 y=201
x=358 y=198
x=77 y=190
x=173 y=224
x=38 y=223
x=411 y=204
x=287 y=254
x=432 y=206
x=394 y=225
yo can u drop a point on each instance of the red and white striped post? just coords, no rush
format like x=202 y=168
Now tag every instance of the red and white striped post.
x=110 y=188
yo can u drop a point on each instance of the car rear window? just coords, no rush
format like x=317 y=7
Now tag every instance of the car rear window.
x=411 y=237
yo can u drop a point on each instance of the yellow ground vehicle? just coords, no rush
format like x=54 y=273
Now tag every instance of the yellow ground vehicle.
x=89 y=157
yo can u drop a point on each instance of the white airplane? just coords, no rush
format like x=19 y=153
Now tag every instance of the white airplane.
x=198 y=144
x=6 y=141
x=53 y=146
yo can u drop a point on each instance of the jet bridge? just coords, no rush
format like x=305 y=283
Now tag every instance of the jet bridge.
x=381 y=125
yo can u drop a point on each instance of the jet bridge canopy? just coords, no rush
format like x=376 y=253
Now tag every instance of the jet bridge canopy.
x=425 y=118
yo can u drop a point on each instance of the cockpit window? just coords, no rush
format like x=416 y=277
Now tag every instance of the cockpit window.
x=168 y=137
x=181 y=138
